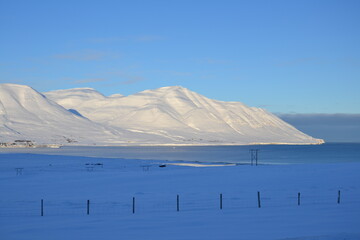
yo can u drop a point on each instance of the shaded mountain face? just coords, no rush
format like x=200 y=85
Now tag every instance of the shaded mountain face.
x=176 y=115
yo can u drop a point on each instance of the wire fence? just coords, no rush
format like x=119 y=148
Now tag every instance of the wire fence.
x=160 y=203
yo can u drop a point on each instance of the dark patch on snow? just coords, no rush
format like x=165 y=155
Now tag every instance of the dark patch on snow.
x=73 y=111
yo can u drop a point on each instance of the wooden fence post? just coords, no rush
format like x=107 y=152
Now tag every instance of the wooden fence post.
x=177 y=203
x=221 y=201
x=133 y=206
x=298 y=199
x=42 y=207
x=88 y=207
x=338 y=200
x=259 y=203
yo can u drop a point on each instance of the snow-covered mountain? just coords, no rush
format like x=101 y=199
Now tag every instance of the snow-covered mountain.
x=176 y=115
x=168 y=115
x=26 y=114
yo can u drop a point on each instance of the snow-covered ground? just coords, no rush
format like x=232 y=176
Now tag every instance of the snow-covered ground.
x=67 y=182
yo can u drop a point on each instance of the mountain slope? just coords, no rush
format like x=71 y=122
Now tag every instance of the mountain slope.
x=26 y=114
x=183 y=116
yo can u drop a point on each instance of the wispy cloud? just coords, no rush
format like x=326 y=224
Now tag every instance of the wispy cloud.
x=112 y=78
x=90 y=80
x=124 y=78
x=71 y=80
x=132 y=80
x=85 y=55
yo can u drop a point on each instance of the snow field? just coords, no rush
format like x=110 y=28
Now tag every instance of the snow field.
x=65 y=183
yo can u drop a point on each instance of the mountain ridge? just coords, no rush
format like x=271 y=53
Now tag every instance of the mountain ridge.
x=29 y=115
x=175 y=107
x=165 y=116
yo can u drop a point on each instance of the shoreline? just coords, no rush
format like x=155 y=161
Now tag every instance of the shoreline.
x=56 y=146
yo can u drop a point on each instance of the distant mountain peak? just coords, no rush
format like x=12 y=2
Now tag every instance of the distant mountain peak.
x=14 y=86
x=83 y=89
x=172 y=88
x=169 y=91
x=166 y=89
x=80 y=92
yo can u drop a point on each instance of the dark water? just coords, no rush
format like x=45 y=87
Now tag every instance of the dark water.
x=267 y=154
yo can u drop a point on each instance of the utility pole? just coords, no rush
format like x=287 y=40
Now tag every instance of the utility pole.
x=254 y=156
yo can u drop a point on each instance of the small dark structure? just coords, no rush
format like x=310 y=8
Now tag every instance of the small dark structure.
x=19 y=171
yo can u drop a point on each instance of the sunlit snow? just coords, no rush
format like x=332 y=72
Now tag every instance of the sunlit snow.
x=168 y=115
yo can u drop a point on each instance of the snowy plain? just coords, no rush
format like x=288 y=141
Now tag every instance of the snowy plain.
x=65 y=183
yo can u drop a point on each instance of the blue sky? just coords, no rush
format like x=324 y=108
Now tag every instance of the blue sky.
x=285 y=56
